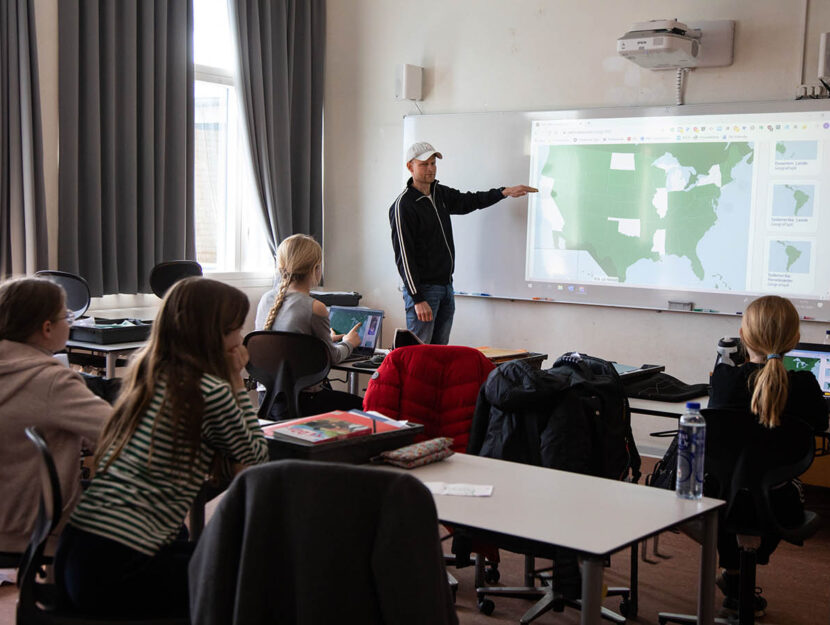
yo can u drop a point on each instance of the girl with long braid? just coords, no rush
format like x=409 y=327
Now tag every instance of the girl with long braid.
x=290 y=308
x=775 y=396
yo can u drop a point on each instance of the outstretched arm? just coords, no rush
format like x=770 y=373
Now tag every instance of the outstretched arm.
x=520 y=190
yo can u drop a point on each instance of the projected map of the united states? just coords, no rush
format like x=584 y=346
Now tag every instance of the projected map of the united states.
x=659 y=214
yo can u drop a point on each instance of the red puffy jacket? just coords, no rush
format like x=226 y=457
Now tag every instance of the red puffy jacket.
x=435 y=385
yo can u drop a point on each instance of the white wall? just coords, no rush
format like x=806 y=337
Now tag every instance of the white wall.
x=496 y=55
x=492 y=55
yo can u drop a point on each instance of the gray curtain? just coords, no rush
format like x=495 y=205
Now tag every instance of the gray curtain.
x=126 y=139
x=22 y=207
x=281 y=57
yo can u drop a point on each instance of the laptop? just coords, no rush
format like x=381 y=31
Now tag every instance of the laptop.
x=344 y=318
x=812 y=357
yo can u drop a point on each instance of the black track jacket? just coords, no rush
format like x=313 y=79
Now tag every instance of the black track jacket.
x=422 y=232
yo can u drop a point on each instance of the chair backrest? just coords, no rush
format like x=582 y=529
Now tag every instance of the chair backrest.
x=76 y=288
x=260 y=561
x=48 y=517
x=745 y=460
x=166 y=274
x=434 y=385
x=285 y=363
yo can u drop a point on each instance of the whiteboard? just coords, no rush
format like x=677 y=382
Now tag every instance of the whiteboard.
x=486 y=150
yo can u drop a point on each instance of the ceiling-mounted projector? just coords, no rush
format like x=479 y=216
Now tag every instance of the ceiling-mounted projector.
x=661 y=44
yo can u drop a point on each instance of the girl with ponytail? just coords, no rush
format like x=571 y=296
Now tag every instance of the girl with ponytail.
x=290 y=308
x=764 y=388
x=769 y=329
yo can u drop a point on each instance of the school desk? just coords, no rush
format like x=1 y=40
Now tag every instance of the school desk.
x=533 y=509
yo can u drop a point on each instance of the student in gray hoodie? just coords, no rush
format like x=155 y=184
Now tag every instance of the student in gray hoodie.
x=37 y=389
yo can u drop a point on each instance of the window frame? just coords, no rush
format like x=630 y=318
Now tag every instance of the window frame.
x=239 y=278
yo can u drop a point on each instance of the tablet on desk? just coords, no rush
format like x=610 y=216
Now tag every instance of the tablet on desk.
x=629 y=373
x=344 y=318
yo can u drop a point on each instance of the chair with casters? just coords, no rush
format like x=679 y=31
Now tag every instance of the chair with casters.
x=434 y=385
x=536 y=417
x=745 y=462
x=166 y=274
x=259 y=561
x=37 y=601
x=285 y=363
x=75 y=287
x=437 y=386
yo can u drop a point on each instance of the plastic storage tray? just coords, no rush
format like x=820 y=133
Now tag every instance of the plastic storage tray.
x=355 y=450
x=105 y=333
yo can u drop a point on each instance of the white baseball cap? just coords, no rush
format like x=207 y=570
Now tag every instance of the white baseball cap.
x=421 y=151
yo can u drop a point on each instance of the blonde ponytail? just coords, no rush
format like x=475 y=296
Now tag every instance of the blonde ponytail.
x=297 y=256
x=770 y=326
x=770 y=393
x=278 y=300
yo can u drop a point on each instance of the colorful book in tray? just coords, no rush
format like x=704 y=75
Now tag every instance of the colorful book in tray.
x=329 y=426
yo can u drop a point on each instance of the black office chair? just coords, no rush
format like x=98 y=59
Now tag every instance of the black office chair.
x=738 y=455
x=166 y=274
x=37 y=601
x=76 y=288
x=548 y=596
x=365 y=549
x=285 y=363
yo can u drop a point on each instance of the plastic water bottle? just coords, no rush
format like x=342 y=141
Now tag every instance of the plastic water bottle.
x=691 y=446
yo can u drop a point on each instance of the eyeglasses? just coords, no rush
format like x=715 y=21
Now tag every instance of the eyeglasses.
x=70 y=317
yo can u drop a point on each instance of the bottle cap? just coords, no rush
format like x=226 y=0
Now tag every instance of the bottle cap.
x=693 y=405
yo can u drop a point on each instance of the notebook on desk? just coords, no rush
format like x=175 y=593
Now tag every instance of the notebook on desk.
x=812 y=357
x=344 y=318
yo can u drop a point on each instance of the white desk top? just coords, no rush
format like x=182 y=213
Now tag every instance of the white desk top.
x=588 y=514
x=663 y=408
x=106 y=347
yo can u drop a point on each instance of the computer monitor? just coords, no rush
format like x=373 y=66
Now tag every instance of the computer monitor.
x=812 y=357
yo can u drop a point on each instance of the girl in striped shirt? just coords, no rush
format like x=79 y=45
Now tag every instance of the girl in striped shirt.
x=183 y=406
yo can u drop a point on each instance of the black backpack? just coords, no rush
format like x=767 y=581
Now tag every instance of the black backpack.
x=664 y=474
x=595 y=396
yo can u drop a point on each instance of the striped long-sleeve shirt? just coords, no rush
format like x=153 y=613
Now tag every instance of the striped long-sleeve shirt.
x=143 y=496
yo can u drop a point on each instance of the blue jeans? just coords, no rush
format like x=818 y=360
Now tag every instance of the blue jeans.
x=440 y=299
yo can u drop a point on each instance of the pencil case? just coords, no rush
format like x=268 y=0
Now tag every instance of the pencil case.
x=417 y=454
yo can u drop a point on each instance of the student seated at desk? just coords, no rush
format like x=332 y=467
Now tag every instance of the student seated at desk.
x=769 y=329
x=183 y=406
x=290 y=308
x=37 y=389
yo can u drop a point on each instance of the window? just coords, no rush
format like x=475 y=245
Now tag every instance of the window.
x=230 y=233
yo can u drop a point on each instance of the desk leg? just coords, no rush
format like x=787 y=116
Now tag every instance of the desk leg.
x=591 y=590
x=353 y=379
x=706 y=582
x=111 y=357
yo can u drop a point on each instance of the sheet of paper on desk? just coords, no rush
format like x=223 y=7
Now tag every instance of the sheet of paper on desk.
x=461 y=490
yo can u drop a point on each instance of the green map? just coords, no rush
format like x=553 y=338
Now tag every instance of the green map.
x=790 y=200
x=646 y=206
x=800 y=363
x=790 y=256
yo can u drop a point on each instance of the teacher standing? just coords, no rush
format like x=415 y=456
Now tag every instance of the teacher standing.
x=423 y=242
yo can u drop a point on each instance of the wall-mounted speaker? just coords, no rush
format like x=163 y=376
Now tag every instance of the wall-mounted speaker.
x=408 y=81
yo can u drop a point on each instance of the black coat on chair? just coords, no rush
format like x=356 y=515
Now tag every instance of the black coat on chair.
x=304 y=543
